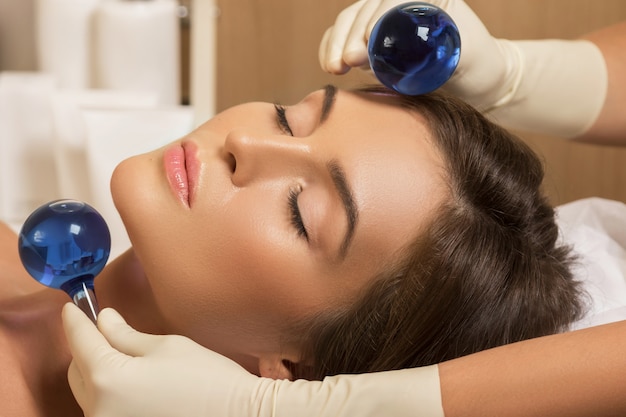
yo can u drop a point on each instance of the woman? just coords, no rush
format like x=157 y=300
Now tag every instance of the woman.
x=572 y=374
x=285 y=237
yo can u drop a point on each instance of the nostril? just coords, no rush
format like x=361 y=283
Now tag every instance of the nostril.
x=232 y=162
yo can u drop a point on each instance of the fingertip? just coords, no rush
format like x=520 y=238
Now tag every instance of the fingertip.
x=81 y=335
x=321 y=52
x=337 y=67
x=110 y=321
x=69 y=308
x=109 y=314
x=356 y=57
x=330 y=55
x=71 y=316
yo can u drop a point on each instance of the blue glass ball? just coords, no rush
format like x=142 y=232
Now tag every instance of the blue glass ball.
x=414 y=48
x=64 y=244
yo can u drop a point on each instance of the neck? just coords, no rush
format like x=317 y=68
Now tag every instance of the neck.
x=37 y=355
x=122 y=285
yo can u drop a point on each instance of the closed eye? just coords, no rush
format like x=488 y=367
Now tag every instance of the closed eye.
x=281 y=119
x=296 y=217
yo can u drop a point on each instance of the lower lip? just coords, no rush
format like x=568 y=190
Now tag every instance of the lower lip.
x=181 y=170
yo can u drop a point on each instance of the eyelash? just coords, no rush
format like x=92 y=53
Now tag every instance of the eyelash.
x=281 y=119
x=296 y=217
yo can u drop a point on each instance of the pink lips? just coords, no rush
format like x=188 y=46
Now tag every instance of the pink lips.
x=181 y=169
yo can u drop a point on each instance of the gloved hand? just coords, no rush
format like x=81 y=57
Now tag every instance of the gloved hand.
x=547 y=86
x=121 y=373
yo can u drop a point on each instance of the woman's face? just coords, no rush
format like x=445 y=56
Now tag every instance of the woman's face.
x=263 y=216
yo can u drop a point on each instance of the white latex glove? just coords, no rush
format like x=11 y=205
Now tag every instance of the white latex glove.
x=548 y=86
x=122 y=373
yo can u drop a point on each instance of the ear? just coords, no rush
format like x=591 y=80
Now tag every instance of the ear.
x=275 y=367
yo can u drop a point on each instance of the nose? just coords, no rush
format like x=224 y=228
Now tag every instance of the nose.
x=257 y=156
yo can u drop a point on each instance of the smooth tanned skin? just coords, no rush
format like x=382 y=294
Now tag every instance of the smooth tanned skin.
x=610 y=126
x=575 y=374
x=231 y=270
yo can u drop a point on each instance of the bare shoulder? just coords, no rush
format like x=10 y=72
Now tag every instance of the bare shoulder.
x=14 y=392
x=14 y=280
x=34 y=357
x=12 y=384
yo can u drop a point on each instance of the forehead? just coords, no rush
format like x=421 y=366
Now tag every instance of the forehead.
x=395 y=169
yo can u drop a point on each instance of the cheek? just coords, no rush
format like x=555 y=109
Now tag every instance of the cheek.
x=239 y=268
x=143 y=198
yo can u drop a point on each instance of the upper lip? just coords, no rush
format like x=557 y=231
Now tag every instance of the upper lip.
x=191 y=168
x=181 y=169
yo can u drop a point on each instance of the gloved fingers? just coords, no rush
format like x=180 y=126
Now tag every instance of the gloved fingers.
x=333 y=42
x=375 y=14
x=77 y=385
x=87 y=345
x=336 y=67
x=355 y=46
x=123 y=337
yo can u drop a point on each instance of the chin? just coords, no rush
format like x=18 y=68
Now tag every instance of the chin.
x=138 y=194
x=123 y=181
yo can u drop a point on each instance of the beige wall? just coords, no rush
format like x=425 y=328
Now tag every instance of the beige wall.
x=17 y=37
x=268 y=48
x=268 y=51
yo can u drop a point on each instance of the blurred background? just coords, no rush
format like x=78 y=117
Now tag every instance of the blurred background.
x=167 y=65
x=268 y=50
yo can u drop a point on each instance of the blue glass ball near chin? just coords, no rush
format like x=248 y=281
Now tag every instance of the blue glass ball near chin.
x=414 y=48
x=64 y=244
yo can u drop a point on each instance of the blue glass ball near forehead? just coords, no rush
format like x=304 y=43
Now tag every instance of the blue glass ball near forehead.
x=414 y=48
x=65 y=244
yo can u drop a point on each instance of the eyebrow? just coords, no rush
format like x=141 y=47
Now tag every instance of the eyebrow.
x=340 y=181
x=330 y=91
x=338 y=176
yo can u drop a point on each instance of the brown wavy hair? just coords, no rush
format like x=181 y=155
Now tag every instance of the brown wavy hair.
x=489 y=271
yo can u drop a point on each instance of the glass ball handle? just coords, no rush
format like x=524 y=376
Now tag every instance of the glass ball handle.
x=64 y=245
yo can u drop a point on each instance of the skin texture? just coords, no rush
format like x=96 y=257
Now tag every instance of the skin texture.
x=218 y=258
x=610 y=126
x=33 y=353
x=249 y=274
x=575 y=374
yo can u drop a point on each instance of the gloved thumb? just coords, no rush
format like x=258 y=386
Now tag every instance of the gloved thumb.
x=122 y=337
x=88 y=346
